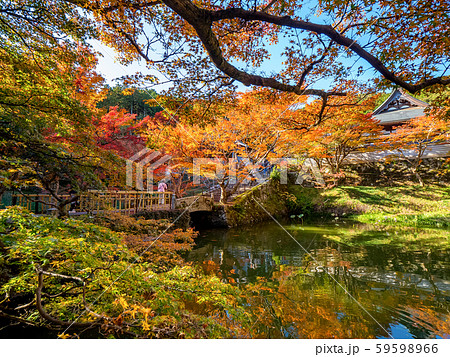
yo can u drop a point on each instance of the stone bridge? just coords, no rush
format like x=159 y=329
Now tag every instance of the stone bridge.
x=195 y=203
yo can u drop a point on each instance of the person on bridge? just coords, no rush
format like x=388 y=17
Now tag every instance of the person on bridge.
x=162 y=187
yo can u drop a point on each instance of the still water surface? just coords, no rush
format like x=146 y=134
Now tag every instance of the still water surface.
x=387 y=282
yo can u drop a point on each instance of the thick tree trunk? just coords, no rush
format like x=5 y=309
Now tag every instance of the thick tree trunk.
x=62 y=208
x=418 y=177
x=223 y=194
x=177 y=183
x=416 y=164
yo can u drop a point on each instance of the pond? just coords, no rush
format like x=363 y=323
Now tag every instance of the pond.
x=336 y=280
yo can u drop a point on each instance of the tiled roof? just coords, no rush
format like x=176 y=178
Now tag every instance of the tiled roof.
x=399 y=107
x=397 y=99
x=399 y=116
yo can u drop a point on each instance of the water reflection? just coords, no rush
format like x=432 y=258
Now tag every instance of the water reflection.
x=404 y=288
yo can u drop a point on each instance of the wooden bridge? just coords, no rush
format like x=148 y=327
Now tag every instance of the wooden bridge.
x=123 y=202
x=92 y=202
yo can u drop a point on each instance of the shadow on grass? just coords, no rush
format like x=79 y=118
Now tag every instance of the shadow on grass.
x=367 y=197
x=433 y=192
x=398 y=196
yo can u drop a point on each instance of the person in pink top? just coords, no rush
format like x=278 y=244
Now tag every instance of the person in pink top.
x=162 y=187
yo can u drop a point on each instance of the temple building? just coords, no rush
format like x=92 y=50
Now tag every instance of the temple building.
x=399 y=108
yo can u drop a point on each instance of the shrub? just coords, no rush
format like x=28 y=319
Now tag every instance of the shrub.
x=79 y=271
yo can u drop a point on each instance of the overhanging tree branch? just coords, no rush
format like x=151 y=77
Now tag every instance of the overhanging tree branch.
x=202 y=20
x=327 y=30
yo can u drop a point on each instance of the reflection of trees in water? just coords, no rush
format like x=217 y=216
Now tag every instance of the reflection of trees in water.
x=403 y=249
x=299 y=298
x=303 y=306
x=237 y=263
x=420 y=277
x=435 y=262
x=315 y=306
x=390 y=267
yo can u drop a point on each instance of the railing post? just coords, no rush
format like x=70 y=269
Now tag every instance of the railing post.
x=36 y=206
x=96 y=201
x=173 y=202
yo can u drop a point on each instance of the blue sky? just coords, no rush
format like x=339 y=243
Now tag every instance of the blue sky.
x=110 y=68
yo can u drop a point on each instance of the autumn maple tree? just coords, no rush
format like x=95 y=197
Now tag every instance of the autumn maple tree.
x=62 y=156
x=412 y=139
x=45 y=63
x=439 y=99
x=231 y=150
x=330 y=134
x=206 y=47
x=53 y=135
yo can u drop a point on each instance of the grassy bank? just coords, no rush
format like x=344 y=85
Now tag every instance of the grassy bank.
x=403 y=205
